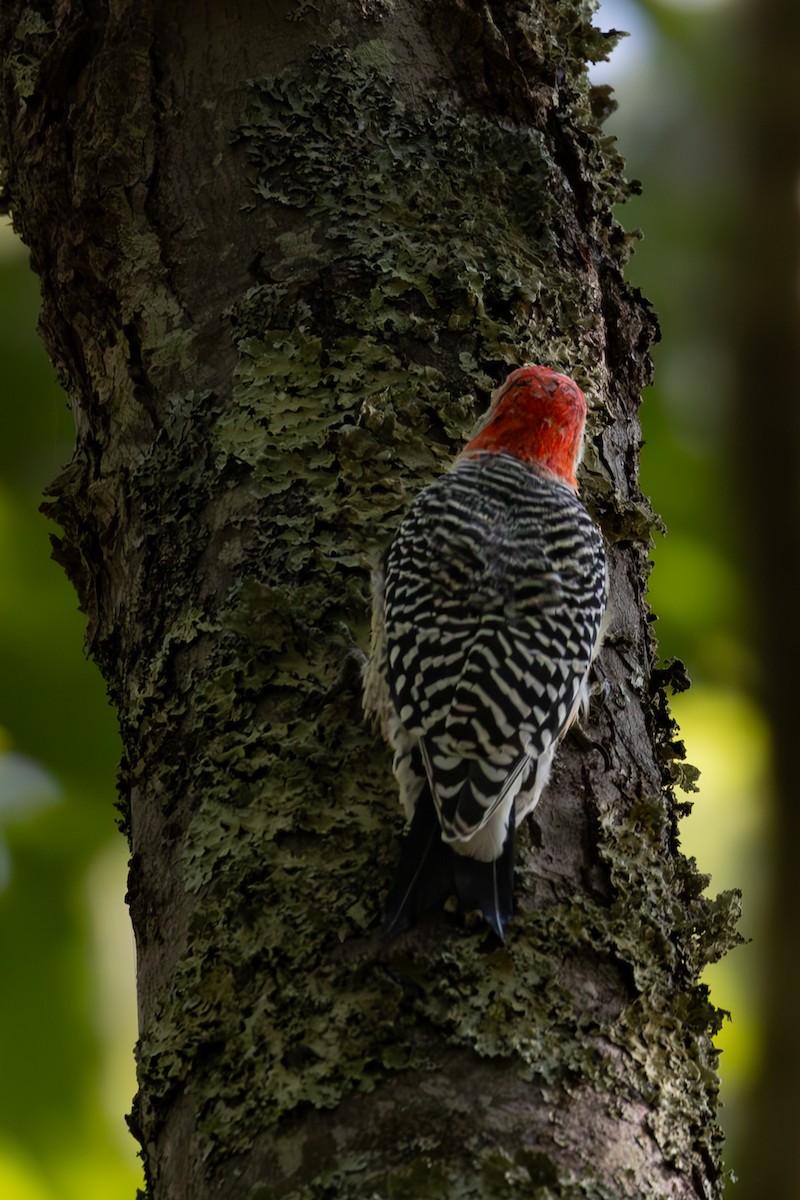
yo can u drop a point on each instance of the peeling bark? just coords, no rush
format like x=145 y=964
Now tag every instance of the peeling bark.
x=286 y=251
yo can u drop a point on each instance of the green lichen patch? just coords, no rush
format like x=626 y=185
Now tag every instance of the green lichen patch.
x=449 y=218
x=32 y=37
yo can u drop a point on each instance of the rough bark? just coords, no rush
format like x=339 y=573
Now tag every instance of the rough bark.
x=286 y=250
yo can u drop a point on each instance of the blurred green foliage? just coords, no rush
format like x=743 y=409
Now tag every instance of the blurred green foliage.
x=66 y=1001
x=62 y=1133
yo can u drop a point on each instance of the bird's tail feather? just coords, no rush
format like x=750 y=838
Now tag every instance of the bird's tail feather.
x=429 y=871
x=489 y=886
x=425 y=872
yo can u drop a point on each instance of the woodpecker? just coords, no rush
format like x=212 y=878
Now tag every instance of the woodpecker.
x=486 y=620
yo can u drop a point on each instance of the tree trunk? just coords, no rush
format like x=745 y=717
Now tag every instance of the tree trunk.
x=765 y=319
x=286 y=252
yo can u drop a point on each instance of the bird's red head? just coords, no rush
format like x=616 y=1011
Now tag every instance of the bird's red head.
x=538 y=416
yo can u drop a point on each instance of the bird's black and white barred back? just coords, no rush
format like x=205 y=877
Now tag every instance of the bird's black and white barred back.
x=485 y=628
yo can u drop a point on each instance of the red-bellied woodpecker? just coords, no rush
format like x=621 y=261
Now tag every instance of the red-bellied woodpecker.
x=485 y=625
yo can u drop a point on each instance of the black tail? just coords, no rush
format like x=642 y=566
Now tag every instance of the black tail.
x=425 y=873
x=429 y=871
x=489 y=886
